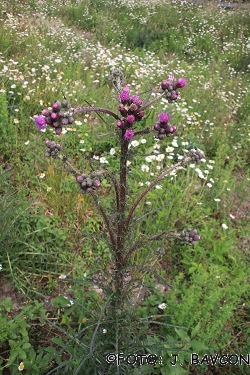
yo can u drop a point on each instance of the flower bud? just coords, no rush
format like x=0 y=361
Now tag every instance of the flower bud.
x=133 y=108
x=119 y=123
x=157 y=126
x=45 y=112
x=56 y=106
x=79 y=178
x=64 y=121
x=71 y=119
x=58 y=131
x=53 y=116
x=88 y=182
x=140 y=114
x=96 y=183
x=164 y=85
x=65 y=103
x=130 y=120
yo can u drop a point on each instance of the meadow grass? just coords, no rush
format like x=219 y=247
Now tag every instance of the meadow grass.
x=49 y=49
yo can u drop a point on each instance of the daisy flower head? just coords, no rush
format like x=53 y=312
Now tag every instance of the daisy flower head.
x=21 y=366
x=62 y=277
x=144 y=168
x=135 y=143
x=162 y=306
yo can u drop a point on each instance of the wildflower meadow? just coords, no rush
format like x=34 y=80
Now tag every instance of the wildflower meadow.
x=124 y=179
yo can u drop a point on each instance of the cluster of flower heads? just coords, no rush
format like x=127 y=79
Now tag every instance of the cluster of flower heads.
x=196 y=156
x=190 y=236
x=57 y=116
x=87 y=184
x=53 y=149
x=162 y=127
x=129 y=108
x=169 y=87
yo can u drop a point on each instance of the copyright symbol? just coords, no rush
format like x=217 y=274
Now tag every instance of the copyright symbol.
x=111 y=358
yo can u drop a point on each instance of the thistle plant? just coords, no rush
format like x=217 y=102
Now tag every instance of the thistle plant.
x=120 y=218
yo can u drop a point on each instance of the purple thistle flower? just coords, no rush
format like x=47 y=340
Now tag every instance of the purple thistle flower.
x=40 y=122
x=129 y=134
x=130 y=119
x=164 y=117
x=171 y=77
x=126 y=88
x=181 y=82
x=119 y=123
x=124 y=96
x=135 y=99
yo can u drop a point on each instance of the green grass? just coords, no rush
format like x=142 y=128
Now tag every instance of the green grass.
x=68 y=48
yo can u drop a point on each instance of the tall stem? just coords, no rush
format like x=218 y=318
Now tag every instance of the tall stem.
x=121 y=214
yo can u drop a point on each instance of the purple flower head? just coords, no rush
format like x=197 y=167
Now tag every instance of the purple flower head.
x=181 y=82
x=40 y=122
x=171 y=77
x=164 y=117
x=135 y=99
x=130 y=119
x=124 y=96
x=126 y=88
x=119 y=123
x=129 y=134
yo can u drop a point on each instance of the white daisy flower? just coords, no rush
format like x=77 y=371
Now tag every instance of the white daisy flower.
x=144 y=168
x=162 y=306
x=134 y=143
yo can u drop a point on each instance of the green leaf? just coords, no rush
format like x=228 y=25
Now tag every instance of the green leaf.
x=60 y=301
x=58 y=341
x=26 y=345
x=195 y=330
